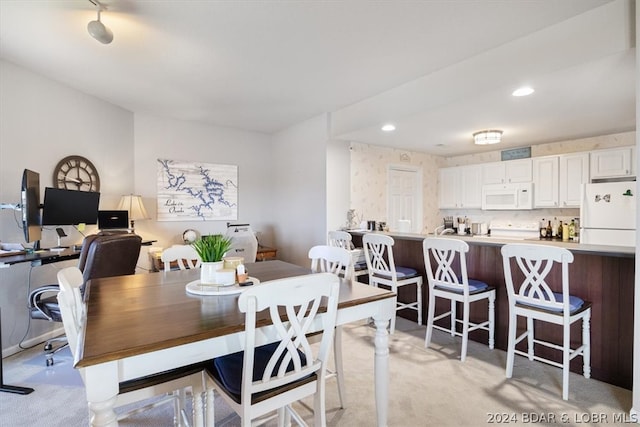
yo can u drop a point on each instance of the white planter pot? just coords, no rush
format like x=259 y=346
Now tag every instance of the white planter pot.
x=208 y=272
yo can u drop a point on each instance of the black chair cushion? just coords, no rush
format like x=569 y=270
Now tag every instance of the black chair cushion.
x=227 y=370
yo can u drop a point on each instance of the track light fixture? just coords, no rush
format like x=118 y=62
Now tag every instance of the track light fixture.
x=97 y=29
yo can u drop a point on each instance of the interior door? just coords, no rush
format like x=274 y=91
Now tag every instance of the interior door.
x=404 y=195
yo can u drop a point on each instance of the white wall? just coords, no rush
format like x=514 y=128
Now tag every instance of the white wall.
x=41 y=122
x=158 y=138
x=338 y=184
x=299 y=163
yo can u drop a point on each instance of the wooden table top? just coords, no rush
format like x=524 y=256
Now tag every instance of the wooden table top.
x=136 y=314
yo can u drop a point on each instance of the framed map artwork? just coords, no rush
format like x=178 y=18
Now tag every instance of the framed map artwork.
x=190 y=191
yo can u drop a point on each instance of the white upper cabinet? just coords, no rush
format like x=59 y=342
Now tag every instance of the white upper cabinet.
x=448 y=188
x=471 y=187
x=574 y=171
x=612 y=163
x=545 y=182
x=558 y=180
x=507 y=172
x=460 y=187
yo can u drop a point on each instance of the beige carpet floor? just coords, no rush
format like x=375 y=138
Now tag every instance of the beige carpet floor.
x=428 y=387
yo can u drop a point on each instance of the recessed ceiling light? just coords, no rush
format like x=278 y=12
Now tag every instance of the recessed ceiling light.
x=523 y=91
x=388 y=127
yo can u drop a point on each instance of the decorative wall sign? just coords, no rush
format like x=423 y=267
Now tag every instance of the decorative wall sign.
x=516 y=153
x=190 y=191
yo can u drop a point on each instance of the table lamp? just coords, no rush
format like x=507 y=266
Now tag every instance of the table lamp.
x=132 y=203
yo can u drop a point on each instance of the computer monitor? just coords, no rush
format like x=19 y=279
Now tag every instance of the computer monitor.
x=69 y=207
x=113 y=220
x=30 y=205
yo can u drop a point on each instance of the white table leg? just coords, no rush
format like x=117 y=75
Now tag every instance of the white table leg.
x=101 y=384
x=382 y=369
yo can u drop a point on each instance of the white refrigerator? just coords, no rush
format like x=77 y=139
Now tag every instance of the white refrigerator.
x=608 y=213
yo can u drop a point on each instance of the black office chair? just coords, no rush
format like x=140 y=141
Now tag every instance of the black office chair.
x=102 y=255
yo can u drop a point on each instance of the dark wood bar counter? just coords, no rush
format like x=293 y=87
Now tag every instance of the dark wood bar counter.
x=602 y=277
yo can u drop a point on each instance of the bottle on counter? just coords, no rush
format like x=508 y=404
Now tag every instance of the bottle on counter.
x=549 y=232
x=576 y=237
x=572 y=230
x=565 y=232
x=560 y=232
x=554 y=228
x=543 y=229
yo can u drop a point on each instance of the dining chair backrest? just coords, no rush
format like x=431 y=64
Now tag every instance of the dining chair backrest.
x=70 y=281
x=450 y=270
x=293 y=305
x=340 y=238
x=184 y=255
x=535 y=262
x=378 y=250
x=331 y=259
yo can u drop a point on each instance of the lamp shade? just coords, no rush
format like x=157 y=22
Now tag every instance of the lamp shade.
x=132 y=203
x=487 y=137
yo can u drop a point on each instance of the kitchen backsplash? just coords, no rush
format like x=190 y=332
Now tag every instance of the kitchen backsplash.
x=369 y=165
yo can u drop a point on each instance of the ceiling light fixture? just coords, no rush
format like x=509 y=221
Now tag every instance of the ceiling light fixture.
x=388 y=127
x=485 y=137
x=523 y=91
x=97 y=29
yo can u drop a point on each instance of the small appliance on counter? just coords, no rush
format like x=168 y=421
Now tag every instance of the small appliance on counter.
x=479 y=228
x=446 y=228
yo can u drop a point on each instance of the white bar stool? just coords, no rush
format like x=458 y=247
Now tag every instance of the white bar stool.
x=533 y=298
x=445 y=283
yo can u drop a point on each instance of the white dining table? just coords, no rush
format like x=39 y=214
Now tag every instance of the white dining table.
x=143 y=324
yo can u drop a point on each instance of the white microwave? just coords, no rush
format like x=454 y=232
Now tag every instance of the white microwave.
x=507 y=196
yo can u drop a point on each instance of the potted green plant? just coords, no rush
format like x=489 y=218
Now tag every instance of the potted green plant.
x=211 y=249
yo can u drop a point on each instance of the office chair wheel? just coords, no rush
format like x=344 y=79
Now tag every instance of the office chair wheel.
x=49 y=361
x=48 y=346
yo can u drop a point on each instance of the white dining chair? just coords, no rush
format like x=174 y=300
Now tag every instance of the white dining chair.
x=184 y=255
x=378 y=249
x=343 y=239
x=446 y=265
x=168 y=384
x=336 y=260
x=534 y=296
x=269 y=377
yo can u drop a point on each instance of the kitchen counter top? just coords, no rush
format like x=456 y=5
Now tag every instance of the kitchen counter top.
x=486 y=240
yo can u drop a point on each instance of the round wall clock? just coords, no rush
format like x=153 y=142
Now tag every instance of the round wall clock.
x=76 y=173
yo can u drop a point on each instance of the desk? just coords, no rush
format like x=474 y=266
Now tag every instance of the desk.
x=146 y=323
x=40 y=257
x=45 y=256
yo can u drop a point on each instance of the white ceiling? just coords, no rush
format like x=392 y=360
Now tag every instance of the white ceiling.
x=439 y=70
